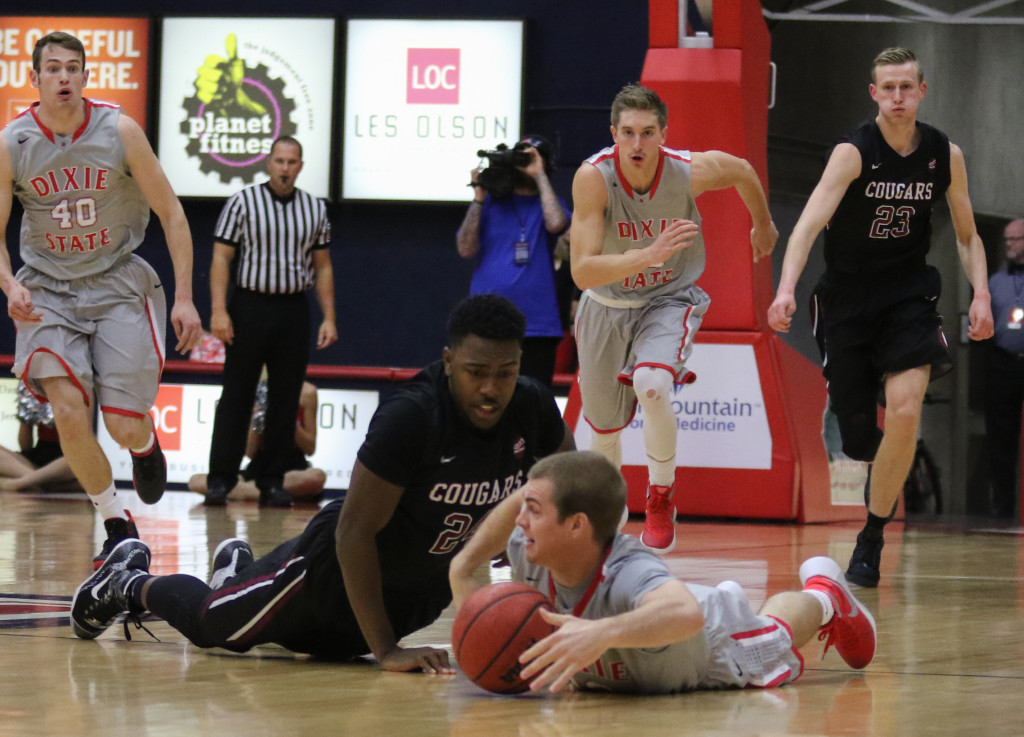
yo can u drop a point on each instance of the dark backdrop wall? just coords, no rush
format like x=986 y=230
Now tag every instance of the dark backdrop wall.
x=397 y=273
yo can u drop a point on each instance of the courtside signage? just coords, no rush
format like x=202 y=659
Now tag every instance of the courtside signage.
x=116 y=55
x=421 y=98
x=230 y=86
x=183 y=418
x=721 y=419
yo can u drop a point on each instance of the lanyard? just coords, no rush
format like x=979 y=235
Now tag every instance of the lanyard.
x=591 y=589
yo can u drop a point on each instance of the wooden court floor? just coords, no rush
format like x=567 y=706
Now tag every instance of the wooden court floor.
x=950 y=659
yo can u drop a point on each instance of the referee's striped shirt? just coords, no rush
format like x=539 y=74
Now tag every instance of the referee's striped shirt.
x=274 y=238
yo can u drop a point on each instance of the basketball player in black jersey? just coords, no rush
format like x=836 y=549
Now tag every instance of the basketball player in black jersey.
x=875 y=316
x=438 y=455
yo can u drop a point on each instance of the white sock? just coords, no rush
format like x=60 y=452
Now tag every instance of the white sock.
x=106 y=503
x=828 y=609
x=145 y=448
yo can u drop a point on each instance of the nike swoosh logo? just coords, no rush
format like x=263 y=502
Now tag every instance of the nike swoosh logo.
x=447 y=459
x=100 y=584
x=22 y=140
x=875 y=166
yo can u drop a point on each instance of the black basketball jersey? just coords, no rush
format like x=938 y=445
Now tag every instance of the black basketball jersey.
x=883 y=223
x=452 y=472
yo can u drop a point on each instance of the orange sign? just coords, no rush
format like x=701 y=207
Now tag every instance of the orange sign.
x=116 y=55
x=166 y=414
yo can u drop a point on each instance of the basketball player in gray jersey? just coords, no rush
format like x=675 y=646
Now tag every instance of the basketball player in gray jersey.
x=637 y=252
x=624 y=622
x=90 y=314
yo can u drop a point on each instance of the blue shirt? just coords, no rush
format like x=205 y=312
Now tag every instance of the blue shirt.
x=530 y=286
x=1007 y=289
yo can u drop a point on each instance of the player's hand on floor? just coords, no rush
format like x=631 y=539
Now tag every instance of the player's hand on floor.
x=427 y=659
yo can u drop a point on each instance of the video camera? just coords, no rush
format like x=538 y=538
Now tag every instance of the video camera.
x=502 y=164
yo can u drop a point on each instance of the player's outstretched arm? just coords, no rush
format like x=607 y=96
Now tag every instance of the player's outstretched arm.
x=842 y=168
x=711 y=170
x=970 y=247
x=487 y=541
x=152 y=181
x=666 y=615
x=369 y=504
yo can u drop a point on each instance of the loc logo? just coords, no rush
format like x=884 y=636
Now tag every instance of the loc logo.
x=166 y=415
x=432 y=76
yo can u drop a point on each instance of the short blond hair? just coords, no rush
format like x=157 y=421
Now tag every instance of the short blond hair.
x=895 y=56
x=638 y=97
x=585 y=482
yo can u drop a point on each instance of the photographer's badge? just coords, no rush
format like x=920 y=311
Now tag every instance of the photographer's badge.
x=235 y=116
x=522 y=252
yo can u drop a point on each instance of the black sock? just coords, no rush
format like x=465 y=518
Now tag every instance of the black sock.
x=134 y=592
x=875 y=523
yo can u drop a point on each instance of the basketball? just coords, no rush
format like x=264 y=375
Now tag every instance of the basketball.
x=493 y=628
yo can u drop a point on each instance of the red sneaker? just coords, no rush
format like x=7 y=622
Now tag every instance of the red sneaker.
x=852 y=628
x=659 y=535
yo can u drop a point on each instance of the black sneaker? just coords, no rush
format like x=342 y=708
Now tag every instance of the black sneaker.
x=275 y=496
x=216 y=495
x=866 y=559
x=230 y=558
x=104 y=595
x=149 y=473
x=117 y=530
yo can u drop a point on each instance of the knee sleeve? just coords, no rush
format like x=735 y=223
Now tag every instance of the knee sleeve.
x=861 y=436
x=653 y=389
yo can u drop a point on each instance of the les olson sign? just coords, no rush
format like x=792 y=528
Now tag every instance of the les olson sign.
x=437 y=92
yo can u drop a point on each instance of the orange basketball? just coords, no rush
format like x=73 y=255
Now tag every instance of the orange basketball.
x=493 y=628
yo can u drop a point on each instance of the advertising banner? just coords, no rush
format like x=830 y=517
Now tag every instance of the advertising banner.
x=421 y=98
x=116 y=57
x=183 y=417
x=230 y=86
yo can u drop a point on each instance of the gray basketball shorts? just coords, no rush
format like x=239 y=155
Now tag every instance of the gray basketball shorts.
x=747 y=649
x=105 y=332
x=614 y=341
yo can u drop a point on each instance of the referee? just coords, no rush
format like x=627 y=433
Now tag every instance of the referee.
x=281 y=235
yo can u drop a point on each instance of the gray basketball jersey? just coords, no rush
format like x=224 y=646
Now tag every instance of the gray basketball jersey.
x=629 y=573
x=83 y=209
x=634 y=220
